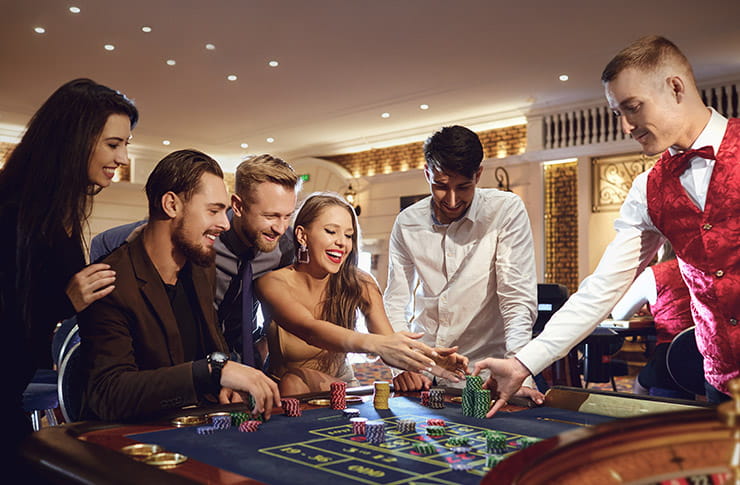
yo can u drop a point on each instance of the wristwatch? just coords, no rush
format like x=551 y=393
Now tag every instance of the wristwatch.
x=217 y=360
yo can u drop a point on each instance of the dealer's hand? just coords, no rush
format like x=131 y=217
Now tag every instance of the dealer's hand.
x=507 y=376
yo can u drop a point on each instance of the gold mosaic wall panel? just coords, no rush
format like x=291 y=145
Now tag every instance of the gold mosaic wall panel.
x=561 y=224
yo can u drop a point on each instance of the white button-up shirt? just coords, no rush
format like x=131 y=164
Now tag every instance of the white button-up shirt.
x=636 y=242
x=470 y=283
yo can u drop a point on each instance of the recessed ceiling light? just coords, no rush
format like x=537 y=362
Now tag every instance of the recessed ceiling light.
x=210 y=47
x=273 y=63
x=165 y=142
x=423 y=106
x=74 y=9
x=146 y=29
x=109 y=47
x=231 y=77
x=39 y=30
x=270 y=139
x=171 y=62
x=563 y=77
x=244 y=145
x=385 y=115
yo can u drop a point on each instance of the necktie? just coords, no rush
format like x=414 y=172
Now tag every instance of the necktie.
x=679 y=162
x=247 y=316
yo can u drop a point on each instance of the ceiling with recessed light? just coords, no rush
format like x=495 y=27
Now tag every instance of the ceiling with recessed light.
x=322 y=77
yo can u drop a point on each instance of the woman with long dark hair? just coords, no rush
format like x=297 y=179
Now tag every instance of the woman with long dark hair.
x=69 y=152
x=315 y=302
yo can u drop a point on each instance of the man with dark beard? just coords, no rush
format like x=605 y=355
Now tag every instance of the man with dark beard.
x=153 y=345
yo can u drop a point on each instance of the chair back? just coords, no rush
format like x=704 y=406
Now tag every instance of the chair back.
x=71 y=385
x=66 y=335
x=685 y=363
x=550 y=297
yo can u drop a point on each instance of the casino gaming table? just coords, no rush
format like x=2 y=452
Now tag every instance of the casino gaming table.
x=320 y=445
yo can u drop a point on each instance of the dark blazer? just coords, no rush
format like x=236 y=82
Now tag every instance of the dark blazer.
x=131 y=341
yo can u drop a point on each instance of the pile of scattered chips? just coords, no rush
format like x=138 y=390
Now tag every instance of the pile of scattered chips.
x=436 y=431
x=424 y=448
x=382 y=393
x=406 y=425
x=375 y=432
x=249 y=426
x=291 y=406
x=495 y=442
x=351 y=413
x=337 y=397
x=436 y=398
x=358 y=425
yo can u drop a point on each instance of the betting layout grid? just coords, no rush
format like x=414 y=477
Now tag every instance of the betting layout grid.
x=322 y=444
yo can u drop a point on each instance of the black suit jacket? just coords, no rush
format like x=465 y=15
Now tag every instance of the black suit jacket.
x=132 y=345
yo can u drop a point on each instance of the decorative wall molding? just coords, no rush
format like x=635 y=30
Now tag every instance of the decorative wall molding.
x=612 y=178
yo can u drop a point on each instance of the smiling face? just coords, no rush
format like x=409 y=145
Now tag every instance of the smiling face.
x=110 y=150
x=452 y=193
x=202 y=220
x=330 y=238
x=262 y=217
x=648 y=104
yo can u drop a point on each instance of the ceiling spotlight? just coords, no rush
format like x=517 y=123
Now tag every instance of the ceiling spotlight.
x=385 y=115
x=39 y=30
x=231 y=77
x=109 y=47
x=171 y=62
x=166 y=142
x=563 y=77
x=74 y=9
x=270 y=139
x=146 y=29
x=273 y=63
x=210 y=47
x=423 y=106
x=244 y=145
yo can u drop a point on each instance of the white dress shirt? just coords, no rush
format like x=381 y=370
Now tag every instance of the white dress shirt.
x=470 y=283
x=633 y=247
x=642 y=291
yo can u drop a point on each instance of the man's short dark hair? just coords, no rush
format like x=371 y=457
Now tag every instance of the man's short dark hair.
x=454 y=149
x=178 y=172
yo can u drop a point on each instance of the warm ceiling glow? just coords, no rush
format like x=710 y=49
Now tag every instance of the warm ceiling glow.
x=231 y=77
x=171 y=62
x=563 y=77
x=109 y=47
x=270 y=139
x=273 y=63
x=385 y=115
x=423 y=106
x=39 y=30
x=74 y=9
x=146 y=29
x=210 y=47
x=244 y=145
x=166 y=142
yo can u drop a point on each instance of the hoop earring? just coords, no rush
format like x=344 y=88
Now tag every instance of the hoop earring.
x=303 y=254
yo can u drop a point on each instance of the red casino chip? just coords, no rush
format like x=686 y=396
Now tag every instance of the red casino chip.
x=291 y=406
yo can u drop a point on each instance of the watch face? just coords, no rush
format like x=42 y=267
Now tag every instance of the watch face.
x=217 y=357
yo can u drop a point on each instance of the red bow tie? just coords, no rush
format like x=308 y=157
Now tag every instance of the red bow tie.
x=680 y=161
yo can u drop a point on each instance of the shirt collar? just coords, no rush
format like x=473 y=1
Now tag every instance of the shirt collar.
x=711 y=135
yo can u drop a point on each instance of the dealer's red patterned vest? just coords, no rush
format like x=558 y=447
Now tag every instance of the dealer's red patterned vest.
x=708 y=248
x=672 y=308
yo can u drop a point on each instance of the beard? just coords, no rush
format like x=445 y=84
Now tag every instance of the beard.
x=254 y=238
x=198 y=254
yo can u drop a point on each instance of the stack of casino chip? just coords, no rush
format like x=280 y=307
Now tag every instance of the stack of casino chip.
x=382 y=394
x=351 y=413
x=493 y=460
x=425 y=398
x=436 y=431
x=436 y=422
x=249 y=426
x=291 y=406
x=526 y=441
x=205 y=430
x=375 y=432
x=455 y=441
x=424 y=448
x=472 y=385
x=337 y=396
x=406 y=425
x=495 y=442
x=238 y=417
x=221 y=422
x=461 y=466
x=358 y=425
x=436 y=398
x=481 y=403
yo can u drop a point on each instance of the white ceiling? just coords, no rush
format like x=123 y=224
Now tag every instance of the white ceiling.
x=342 y=63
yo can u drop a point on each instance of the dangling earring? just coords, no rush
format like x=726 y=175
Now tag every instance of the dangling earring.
x=303 y=254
